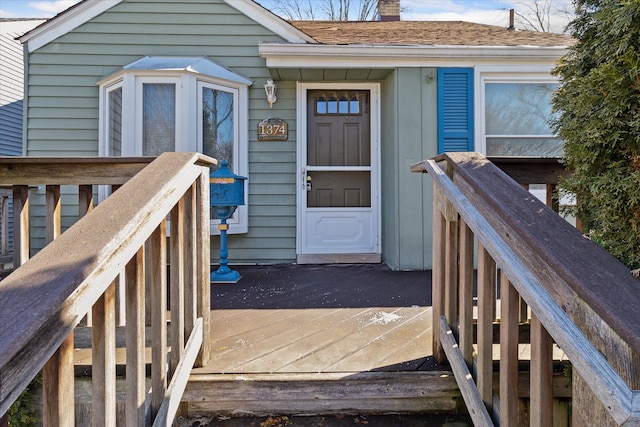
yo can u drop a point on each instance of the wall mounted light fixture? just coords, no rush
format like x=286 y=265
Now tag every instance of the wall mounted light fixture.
x=270 y=89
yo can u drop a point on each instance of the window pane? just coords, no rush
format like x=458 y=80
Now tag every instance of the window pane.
x=159 y=122
x=518 y=108
x=339 y=189
x=114 y=136
x=528 y=147
x=217 y=124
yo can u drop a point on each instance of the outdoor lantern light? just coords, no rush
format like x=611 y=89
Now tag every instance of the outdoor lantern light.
x=226 y=191
x=270 y=88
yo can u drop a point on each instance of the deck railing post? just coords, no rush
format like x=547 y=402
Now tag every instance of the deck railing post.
x=176 y=285
x=465 y=333
x=541 y=371
x=103 y=349
x=135 y=340
x=486 y=315
x=158 y=293
x=438 y=275
x=203 y=248
x=20 y=225
x=191 y=260
x=509 y=316
x=58 y=372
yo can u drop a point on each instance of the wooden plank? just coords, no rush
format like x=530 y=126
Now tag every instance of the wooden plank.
x=134 y=277
x=57 y=386
x=476 y=403
x=20 y=225
x=158 y=294
x=541 y=376
x=509 y=313
x=176 y=284
x=451 y=271
x=556 y=253
x=85 y=205
x=57 y=299
x=69 y=170
x=465 y=331
x=53 y=220
x=314 y=393
x=180 y=377
x=438 y=280
x=190 y=260
x=486 y=315
x=203 y=248
x=620 y=400
x=103 y=370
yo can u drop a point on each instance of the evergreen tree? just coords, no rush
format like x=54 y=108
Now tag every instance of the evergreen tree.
x=598 y=106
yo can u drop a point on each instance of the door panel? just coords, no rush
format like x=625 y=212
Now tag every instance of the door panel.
x=338 y=216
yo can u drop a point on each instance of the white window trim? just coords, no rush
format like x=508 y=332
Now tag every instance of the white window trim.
x=484 y=75
x=188 y=120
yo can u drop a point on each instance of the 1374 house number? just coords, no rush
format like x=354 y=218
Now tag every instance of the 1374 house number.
x=273 y=129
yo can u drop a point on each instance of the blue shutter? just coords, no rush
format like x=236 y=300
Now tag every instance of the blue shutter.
x=455 y=109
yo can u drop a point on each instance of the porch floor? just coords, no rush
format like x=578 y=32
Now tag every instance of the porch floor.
x=321 y=339
x=321 y=319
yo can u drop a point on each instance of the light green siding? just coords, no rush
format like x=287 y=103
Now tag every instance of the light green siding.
x=63 y=118
x=63 y=101
x=409 y=135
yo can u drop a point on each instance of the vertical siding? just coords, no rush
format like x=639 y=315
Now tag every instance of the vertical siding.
x=63 y=99
x=411 y=136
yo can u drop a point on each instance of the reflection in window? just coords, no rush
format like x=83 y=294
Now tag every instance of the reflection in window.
x=217 y=124
x=114 y=136
x=517 y=119
x=159 y=119
x=338 y=104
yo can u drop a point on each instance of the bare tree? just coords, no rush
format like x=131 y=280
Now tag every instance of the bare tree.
x=538 y=15
x=333 y=10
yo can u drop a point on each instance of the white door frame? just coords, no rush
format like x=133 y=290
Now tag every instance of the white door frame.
x=301 y=161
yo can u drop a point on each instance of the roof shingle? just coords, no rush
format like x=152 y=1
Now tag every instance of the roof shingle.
x=440 y=33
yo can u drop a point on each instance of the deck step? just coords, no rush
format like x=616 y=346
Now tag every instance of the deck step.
x=322 y=393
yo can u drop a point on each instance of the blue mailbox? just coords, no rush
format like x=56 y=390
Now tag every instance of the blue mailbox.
x=226 y=191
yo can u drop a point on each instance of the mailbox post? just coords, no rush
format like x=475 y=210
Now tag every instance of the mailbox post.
x=227 y=193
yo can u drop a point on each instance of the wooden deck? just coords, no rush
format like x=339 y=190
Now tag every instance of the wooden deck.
x=341 y=337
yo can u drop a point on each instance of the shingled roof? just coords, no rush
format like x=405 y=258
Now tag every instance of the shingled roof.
x=440 y=33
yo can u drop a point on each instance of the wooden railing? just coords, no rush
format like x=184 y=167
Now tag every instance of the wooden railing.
x=5 y=255
x=580 y=300
x=76 y=274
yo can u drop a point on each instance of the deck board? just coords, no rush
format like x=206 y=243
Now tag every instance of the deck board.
x=320 y=319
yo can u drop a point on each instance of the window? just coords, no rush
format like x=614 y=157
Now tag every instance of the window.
x=160 y=104
x=516 y=119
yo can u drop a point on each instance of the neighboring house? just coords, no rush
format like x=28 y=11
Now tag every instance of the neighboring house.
x=362 y=101
x=11 y=95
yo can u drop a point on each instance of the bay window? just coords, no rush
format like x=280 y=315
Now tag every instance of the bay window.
x=159 y=104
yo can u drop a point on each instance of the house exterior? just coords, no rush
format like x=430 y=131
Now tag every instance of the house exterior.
x=11 y=96
x=328 y=159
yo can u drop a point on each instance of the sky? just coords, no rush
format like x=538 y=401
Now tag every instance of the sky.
x=493 y=12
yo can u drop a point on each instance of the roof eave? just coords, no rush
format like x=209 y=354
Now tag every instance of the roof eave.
x=82 y=12
x=362 y=55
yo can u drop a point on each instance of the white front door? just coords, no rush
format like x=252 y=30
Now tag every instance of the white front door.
x=338 y=180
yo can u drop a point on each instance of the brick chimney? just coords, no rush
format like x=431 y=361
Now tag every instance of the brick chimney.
x=389 y=10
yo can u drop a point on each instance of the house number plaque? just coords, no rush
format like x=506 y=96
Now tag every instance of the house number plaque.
x=273 y=129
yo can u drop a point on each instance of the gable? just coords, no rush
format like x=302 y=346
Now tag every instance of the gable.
x=87 y=10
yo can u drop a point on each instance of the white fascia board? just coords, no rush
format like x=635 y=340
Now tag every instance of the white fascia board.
x=280 y=55
x=66 y=22
x=271 y=21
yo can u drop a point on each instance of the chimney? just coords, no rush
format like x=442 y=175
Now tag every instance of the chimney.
x=512 y=20
x=389 y=10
